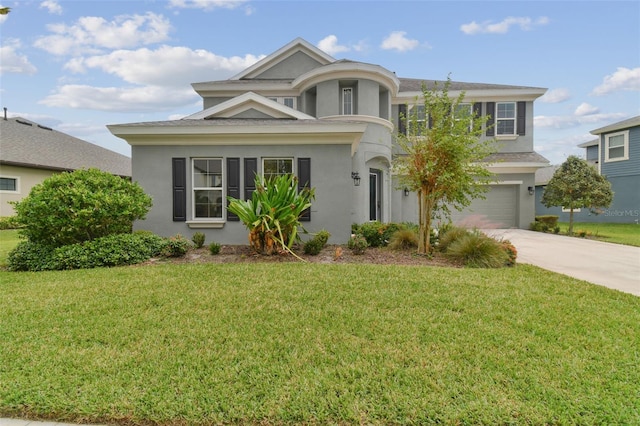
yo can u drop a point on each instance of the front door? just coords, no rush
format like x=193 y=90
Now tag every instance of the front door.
x=374 y=194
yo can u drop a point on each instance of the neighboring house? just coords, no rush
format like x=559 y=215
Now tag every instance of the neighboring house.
x=330 y=122
x=30 y=153
x=616 y=155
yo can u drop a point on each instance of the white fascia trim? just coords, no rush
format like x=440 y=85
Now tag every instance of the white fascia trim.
x=364 y=118
x=502 y=168
x=299 y=44
x=348 y=70
x=232 y=89
x=480 y=95
x=247 y=101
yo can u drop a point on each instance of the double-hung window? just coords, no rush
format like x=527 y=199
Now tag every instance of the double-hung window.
x=462 y=112
x=506 y=118
x=616 y=146
x=208 y=194
x=274 y=167
x=417 y=120
x=347 y=101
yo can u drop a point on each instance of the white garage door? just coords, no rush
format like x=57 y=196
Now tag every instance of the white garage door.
x=498 y=210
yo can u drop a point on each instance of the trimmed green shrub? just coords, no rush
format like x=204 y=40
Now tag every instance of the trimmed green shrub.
x=176 y=246
x=9 y=222
x=198 y=239
x=357 y=244
x=545 y=223
x=477 y=250
x=404 y=239
x=112 y=250
x=214 y=248
x=376 y=233
x=315 y=245
x=69 y=208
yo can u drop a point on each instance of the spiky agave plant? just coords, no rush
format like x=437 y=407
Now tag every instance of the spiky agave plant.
x=272 y=215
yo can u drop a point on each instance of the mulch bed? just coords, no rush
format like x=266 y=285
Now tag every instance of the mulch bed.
x=331 y=254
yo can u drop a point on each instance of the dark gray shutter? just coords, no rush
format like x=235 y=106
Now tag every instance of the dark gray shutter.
x=304 y=181
x=250 y=172
x=521 y=124
x=491 y=110
x=402 y=119
x=233 y=184
x=179 y=177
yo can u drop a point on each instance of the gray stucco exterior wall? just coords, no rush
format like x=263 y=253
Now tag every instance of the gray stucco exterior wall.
x=330 y=175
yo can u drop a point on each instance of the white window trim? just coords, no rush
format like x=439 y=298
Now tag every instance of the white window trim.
x=17 y=179
x=211 y=221
x=350 y=90
x=625 y=135
x=411 y=118
x=514 y=119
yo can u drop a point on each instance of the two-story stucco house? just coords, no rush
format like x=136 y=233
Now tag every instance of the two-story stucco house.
x=616 y=155
x=330 y=122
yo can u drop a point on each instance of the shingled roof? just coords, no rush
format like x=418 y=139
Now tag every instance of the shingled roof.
x=27 y=144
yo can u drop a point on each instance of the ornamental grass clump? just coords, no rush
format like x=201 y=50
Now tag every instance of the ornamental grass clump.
x=404 y=239
x=477 y=250
x=272 y=215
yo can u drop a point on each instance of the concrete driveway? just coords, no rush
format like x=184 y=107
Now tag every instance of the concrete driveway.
x=611 y=265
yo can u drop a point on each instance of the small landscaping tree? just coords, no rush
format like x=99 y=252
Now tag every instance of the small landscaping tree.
x=577 y=185
x=69 y=208
x=441 y=156
x=272 y=216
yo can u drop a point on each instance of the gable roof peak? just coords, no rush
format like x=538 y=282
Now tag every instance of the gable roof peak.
x=296 y=45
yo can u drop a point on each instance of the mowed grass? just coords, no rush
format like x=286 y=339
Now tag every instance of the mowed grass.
x=317 y=344
x=620 y=233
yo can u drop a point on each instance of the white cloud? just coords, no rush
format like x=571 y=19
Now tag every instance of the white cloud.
x=207 y=4
x=567 y=121
x=170 y=66
x=330 y=45
x=90 y=34
x=13 y=62
x=118 y=99
x=586 y=109
x=622 y=79
x=52 y=6
x=502 y=27
x=397 y=40
x=555 y=96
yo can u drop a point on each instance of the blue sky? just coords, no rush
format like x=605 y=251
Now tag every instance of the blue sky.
x=77 y=66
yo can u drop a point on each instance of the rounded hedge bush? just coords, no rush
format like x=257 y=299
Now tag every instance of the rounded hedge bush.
x=69 y=208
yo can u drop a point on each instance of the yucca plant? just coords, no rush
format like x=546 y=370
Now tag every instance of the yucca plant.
x=272 y=216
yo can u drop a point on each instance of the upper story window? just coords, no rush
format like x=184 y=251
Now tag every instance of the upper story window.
x=616 y=146
x=506 y=118
x=289 y=101
x=274 y=167
x=416 y=120
x=347 y=101
x=8 y=184
x=464 y=111
x=207 y=188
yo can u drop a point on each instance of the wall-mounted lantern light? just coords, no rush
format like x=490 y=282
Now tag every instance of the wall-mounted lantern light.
x=406 y=192
x=356 y=178
x=531 y=190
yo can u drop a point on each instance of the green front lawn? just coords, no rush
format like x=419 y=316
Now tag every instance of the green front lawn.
x=317 y=344
x=620 y=233
x=8 y=240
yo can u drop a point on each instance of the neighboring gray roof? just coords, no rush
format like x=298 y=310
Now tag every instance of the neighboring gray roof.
x=544 y=175
x=517 y=157
x=589 y=143
x=28 y=144
x=625 y=124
